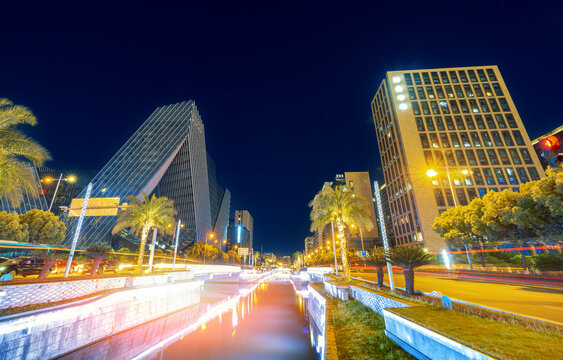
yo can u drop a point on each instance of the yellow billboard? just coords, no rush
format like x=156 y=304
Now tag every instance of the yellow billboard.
x=96 y=207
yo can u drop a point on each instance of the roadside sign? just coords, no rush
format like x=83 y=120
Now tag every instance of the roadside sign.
x=96 y=207
x=242 y=251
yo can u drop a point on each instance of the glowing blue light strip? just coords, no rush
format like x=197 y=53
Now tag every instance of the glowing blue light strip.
x=238 y=239
x=383 y=232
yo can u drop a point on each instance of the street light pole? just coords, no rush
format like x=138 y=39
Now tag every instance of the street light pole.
x=78 y=227
x=55 y=193
x=176 y=243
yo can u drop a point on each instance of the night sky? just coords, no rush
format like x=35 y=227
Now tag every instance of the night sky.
x=284 y=89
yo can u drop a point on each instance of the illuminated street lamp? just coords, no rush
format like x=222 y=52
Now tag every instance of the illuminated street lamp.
x=69 y=179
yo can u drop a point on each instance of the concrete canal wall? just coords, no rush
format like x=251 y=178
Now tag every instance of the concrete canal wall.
x=55 y=332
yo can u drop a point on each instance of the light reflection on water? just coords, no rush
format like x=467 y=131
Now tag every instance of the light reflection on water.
x=272 y=325
x=270 y=322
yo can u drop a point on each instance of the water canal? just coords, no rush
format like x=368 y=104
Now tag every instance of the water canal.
x=268 y=321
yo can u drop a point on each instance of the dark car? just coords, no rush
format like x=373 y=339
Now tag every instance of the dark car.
x=105 y=265
x=23 y=265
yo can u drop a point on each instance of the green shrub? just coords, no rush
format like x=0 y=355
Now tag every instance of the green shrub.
x=546 y=262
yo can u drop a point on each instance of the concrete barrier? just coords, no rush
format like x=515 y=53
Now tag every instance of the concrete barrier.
x=373 y=300
x=323 y=338
x=49 y=334
x=423 y=343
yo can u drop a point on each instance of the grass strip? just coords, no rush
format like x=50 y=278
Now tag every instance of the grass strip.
x=498 y=339
x=360 y=332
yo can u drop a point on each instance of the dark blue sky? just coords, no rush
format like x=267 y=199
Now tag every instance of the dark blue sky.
x=284 y=89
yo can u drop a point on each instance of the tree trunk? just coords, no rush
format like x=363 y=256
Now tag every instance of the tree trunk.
x=409 y=281
x=343 y=248
x=379 y=276
x=144 y=235
x=95 y=265
x=46 y=268
x=482 y=255
x=523 y=257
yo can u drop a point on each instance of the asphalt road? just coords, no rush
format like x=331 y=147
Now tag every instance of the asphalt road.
x=539 y=301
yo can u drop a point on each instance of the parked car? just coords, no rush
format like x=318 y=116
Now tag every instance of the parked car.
x=105 y=265
x=23 y=265
x=61 y=266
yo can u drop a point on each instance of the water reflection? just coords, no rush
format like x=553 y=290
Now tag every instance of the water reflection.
x=242 y=321
x=272 y=328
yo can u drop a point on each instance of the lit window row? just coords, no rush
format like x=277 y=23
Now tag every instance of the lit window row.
x=450 y=77
x=479 y=157
x=446 y=140
x=459 y=106
x=469 y=122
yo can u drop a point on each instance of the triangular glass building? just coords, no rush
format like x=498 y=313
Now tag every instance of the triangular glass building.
x=166 y=156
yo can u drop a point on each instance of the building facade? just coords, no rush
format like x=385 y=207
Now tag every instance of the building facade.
x=165 y=156
x=360 y=184
x=244 y=223
x=459 y=125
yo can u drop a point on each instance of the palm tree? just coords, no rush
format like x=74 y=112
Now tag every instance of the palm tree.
x=143 y=214
x=377 y=258
x=97 y=252
x=342 y=207
x=409 y=258
x=16 y=151
x=49 y=257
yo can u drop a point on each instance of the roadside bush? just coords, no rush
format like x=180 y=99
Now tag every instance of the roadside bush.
x=546 y=262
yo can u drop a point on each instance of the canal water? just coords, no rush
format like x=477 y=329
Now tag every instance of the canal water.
x=268 y=321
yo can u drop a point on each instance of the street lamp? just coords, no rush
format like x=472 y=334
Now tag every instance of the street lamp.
x=69 y=179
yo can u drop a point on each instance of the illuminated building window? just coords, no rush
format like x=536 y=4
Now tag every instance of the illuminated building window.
x=482 y=157
x=477 y=89
x=489 y=176
x=493 y=156
x=504 y=157
x=515 y=157
x=444 y=76
x=497 y=89
x=439 y=123
x=429 y=124
x=533 y=173
x=491 y=74
x=455 y=140
x=416 y=77
x=526 y=156
x=486 y=138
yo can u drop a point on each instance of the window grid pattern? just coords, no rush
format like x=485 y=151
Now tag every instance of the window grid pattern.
x=401 y=202
x=158 y=157
x=465 y=123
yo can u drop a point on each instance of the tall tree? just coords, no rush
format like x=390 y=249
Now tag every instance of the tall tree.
x=144 y=214
x=44 y=227
x=342 y=207
x=455 y=225
x=11 y=228
x=16 y=151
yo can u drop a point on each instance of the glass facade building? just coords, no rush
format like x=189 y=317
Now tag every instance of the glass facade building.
x=462 y=124
x=166 y=156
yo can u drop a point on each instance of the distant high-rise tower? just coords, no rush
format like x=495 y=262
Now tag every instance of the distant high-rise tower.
x=166 y=156
x=244 y=219
x=440 y=130
x=360 y=184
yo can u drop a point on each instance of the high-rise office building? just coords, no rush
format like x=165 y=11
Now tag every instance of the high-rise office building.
x=166 y=156
x=30 y=199
x=447 y=136
x=309 y=245
x=360 y=184
x=244 y=221
x=549 y=149
x=220 y=205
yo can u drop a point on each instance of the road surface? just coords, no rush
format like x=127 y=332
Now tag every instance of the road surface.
x=539 y=301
